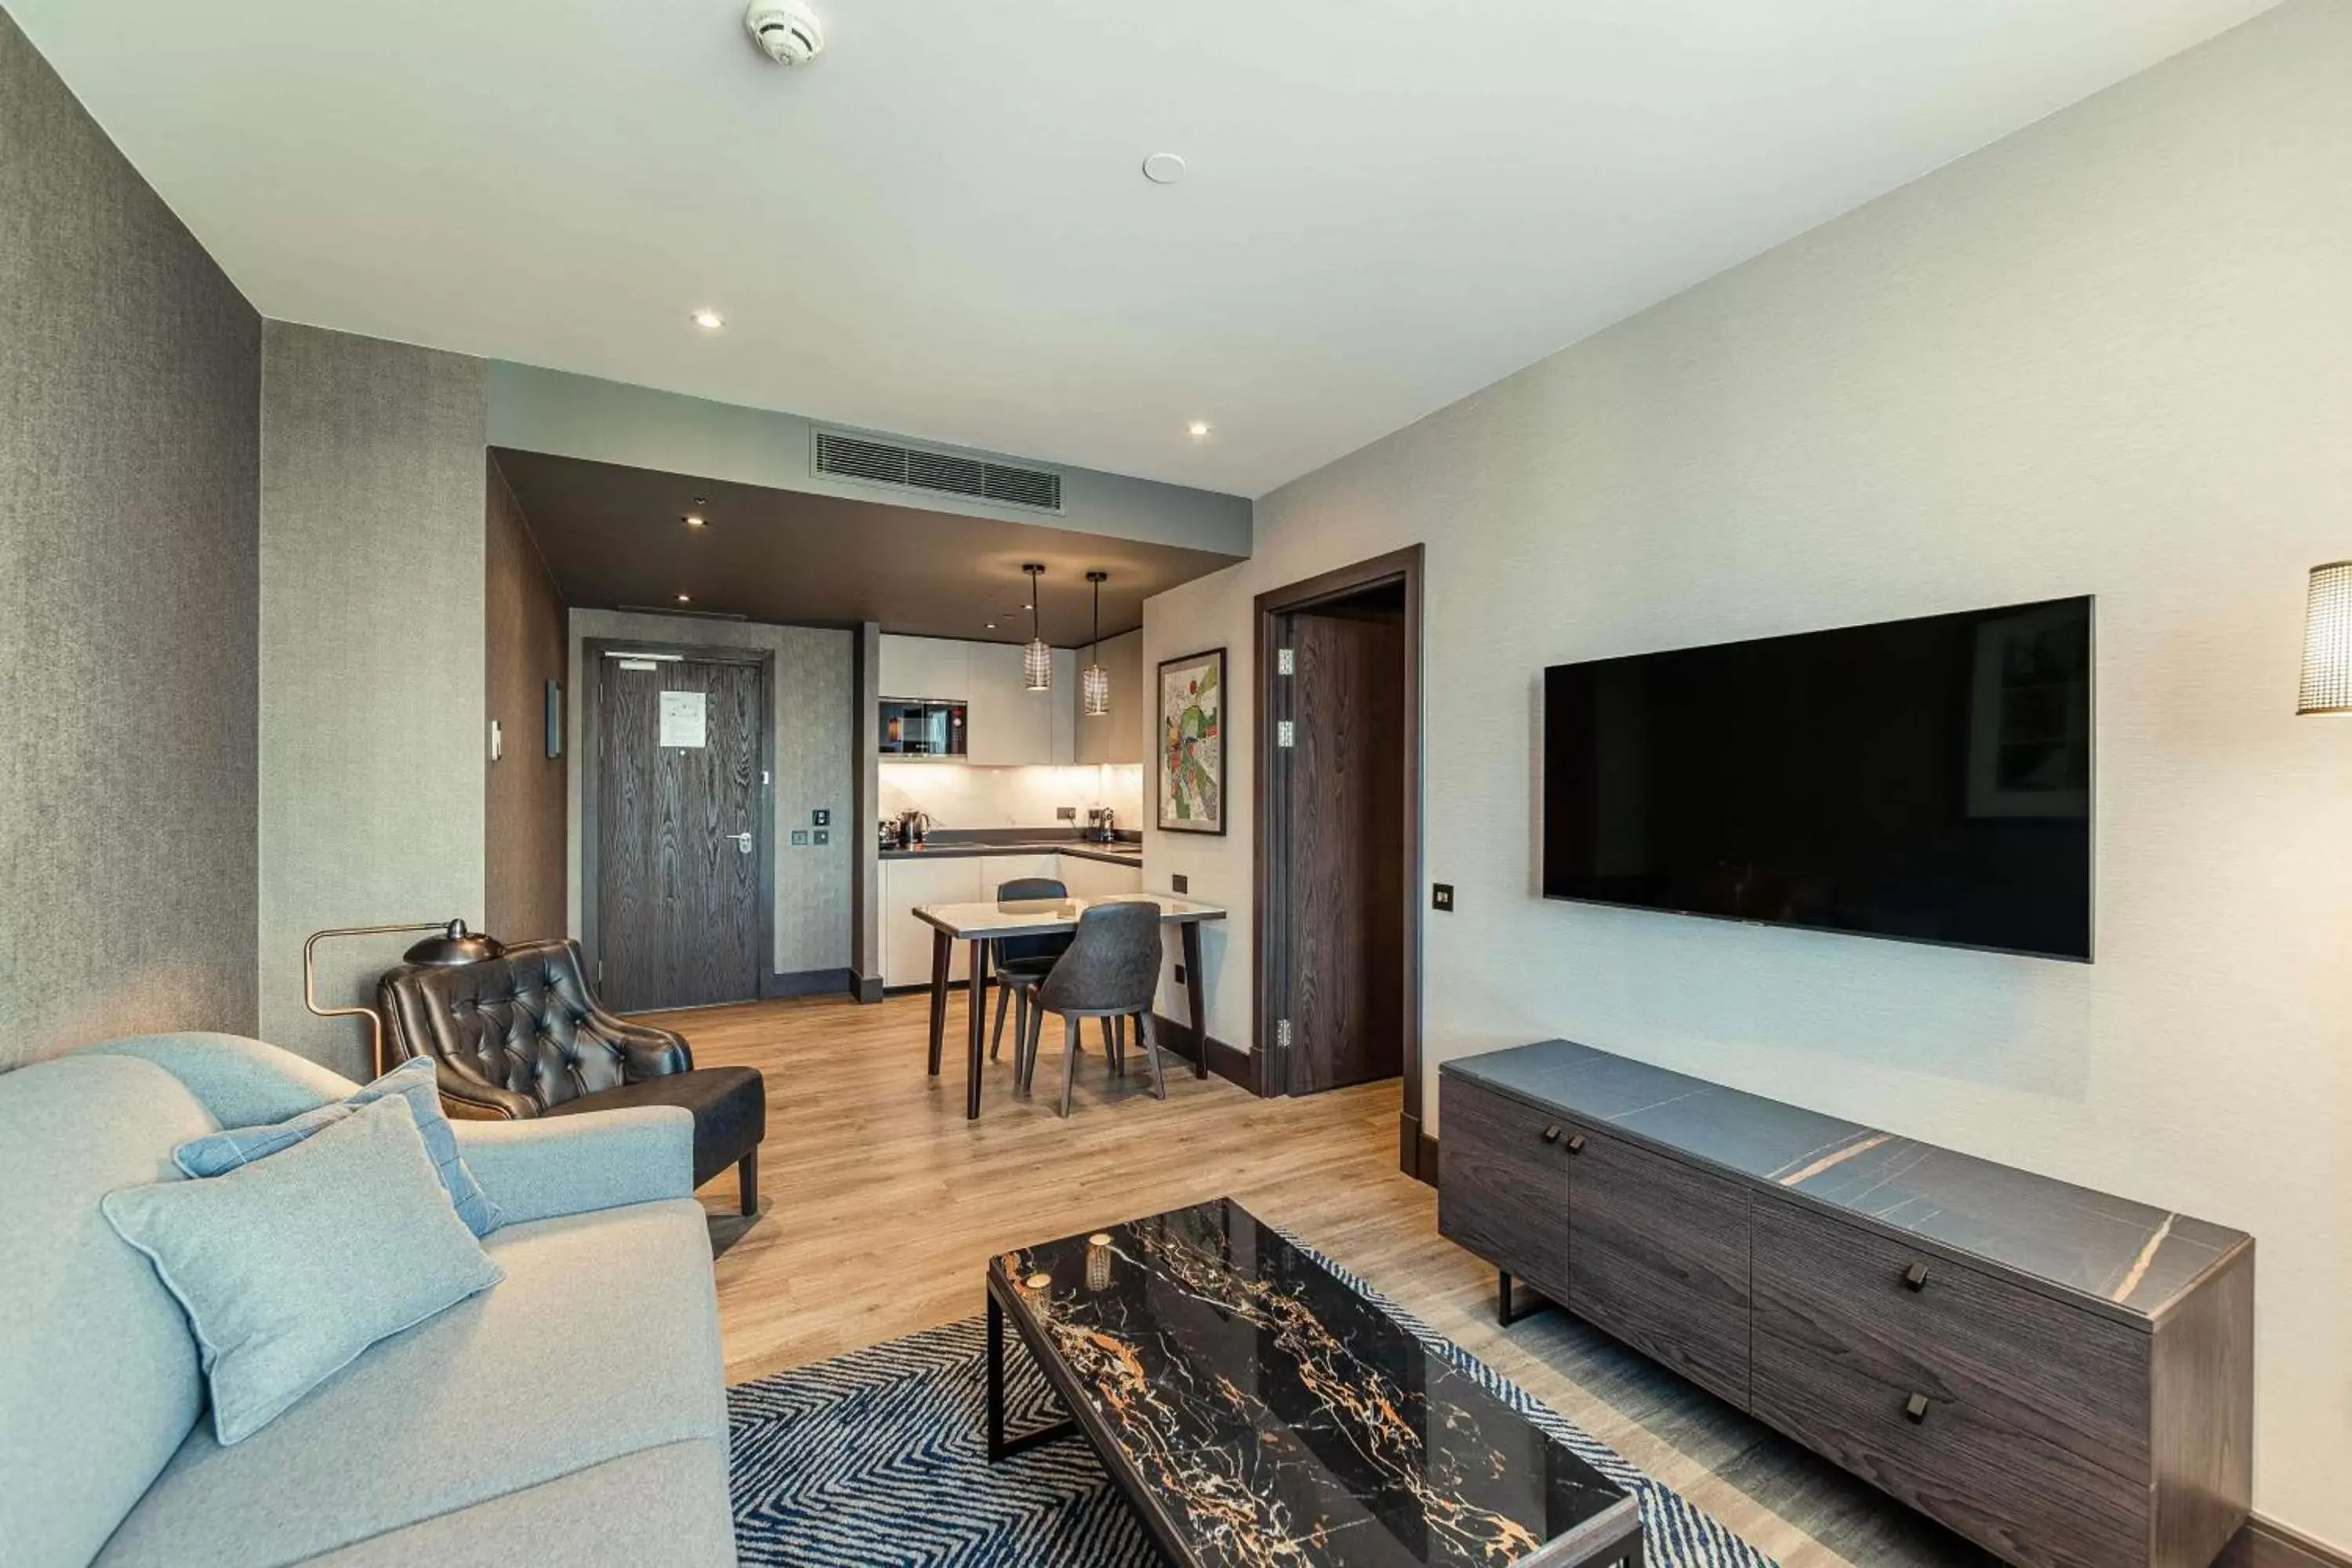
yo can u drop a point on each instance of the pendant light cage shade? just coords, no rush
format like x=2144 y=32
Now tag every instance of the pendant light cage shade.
x=1037 y=659
x=2328 y=642
x=1094 y=686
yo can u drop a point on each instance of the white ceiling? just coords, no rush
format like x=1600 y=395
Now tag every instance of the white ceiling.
x=940 y=227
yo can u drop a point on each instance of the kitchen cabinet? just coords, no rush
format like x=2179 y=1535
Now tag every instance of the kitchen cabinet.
x=995 y=871
x=927 y=667
x=1061 y=706
x=1116 y=736
x=1010 y=725
x=906 y=940
x=1099 y=878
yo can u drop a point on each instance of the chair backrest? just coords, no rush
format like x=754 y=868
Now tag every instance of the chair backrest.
x=523 y=1022
x=1032 y=890
x=1113 y=965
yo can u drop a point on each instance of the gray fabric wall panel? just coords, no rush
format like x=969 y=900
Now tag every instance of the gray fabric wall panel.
x=815 y=689
x=372 y=683
x=128 y=407
x=523 y=830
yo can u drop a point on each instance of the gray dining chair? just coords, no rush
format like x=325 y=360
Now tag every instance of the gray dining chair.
x=1111 y=973
x=1022 y=962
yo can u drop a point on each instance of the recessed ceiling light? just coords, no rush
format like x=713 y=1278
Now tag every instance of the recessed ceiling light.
x=1197 y=429
x=708 y=319
x=1163 y=168
x=685 y=599
x=695 y=520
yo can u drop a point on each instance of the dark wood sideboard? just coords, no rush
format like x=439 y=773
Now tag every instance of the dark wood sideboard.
x=2064 y=1377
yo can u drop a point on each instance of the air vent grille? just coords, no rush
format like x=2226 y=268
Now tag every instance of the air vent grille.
x=942 y=473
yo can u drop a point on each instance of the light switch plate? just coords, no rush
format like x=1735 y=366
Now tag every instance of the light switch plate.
x=1441 y=896
x=821 y=836
x=820 y=819
x=800 y=837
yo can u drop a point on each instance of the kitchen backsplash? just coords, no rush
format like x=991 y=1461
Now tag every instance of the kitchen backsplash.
x=956 y=795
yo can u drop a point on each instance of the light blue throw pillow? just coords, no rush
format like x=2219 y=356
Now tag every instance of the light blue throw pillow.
x=289 y=1268
x=217 y=1154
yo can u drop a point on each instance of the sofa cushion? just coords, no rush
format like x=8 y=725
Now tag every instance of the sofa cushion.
x=729 y=1106
x=602 y=1341
x=416 y=1081
x=292 y=1267
x=666 y=1506
x=97 y=1371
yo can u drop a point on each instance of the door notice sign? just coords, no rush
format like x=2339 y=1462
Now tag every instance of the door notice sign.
x=681 y=718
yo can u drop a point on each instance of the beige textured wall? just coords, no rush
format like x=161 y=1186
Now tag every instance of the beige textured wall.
x=371 y=668
x=130 y=401
x=2108 y=355
x=523 y=826
x=816 y=692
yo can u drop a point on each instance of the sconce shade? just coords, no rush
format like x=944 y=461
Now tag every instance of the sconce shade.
x=2328 y=642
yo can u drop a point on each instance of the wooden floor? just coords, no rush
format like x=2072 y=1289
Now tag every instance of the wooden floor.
x=880 y=1205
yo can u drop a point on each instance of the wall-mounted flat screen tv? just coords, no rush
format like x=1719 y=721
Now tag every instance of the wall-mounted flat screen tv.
x=1926 y=779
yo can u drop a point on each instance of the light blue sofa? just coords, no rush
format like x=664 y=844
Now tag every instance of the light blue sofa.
x=575 y=1413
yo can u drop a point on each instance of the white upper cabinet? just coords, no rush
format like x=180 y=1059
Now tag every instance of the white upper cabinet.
x=1062 y=705
x=927 y=666
x=1009 y=723
x=1117 y=736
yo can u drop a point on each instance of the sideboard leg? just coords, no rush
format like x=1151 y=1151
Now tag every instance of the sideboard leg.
x=1505 y=1314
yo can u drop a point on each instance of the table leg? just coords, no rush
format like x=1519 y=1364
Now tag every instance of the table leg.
x=979 y=1030
x=942 y=948
x=1195 y=999
x=999 y=1445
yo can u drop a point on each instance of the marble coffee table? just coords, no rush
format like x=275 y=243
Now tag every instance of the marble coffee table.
x=1258 y=1413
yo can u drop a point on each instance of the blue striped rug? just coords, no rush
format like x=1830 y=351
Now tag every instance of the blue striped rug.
x=875 y=1460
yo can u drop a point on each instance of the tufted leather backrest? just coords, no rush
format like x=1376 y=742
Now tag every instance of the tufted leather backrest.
x=522 y=1026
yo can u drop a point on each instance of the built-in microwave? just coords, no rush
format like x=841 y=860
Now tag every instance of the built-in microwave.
x=922 y=727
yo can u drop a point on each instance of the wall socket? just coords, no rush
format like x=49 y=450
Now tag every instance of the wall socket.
x=1065 y=814
x=821 y=836
x=800 y=837
x=1441 y=896
x=1180 y=974
x=1180 y=883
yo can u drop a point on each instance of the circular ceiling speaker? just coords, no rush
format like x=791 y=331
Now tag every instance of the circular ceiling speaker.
x=1163 y=168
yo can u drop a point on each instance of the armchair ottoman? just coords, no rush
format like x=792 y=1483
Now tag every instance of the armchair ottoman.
x=519 y=1036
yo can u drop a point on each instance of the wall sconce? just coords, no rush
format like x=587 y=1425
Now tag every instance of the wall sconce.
x=2328 y=642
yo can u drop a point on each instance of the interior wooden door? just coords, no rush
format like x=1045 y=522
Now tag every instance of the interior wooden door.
x=681 y=834
x=1343 y=865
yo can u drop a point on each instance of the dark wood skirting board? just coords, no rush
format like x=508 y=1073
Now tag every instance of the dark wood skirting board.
x=810 y=983
x=1228 y=1062
x=2070 y=1388
x=2266 y=1544
x=869 y=989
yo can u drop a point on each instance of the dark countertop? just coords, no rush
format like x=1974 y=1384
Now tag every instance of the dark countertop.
x=1120 y=854
x=2127 y=1258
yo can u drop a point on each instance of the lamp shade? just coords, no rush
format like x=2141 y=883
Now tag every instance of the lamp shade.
x=2328 y=642
x=1095 y=686
x=1037 y=666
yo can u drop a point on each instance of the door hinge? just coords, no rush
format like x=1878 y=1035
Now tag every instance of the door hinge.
x=1285 y=661
x=600 y=972
x=1282 y=1034
x=1285 y=734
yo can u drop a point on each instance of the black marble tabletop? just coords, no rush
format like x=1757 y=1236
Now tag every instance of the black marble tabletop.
x=2126 y=1257
x=1278 y=1418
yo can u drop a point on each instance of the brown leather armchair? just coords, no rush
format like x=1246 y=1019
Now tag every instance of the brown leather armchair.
x=520 y=1035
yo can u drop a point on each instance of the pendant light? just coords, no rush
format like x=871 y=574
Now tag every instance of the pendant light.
x=1037 y=659
x=1095 y=685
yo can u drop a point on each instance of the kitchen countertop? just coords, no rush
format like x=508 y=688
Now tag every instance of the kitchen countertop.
x=1121 y=854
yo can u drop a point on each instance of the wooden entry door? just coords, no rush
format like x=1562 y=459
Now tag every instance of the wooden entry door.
x=1343 y=804
x=681 y=832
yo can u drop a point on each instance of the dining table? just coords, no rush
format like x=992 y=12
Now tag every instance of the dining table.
x=985 y=924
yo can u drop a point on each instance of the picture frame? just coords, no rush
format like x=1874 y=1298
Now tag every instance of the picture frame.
x=1190 y=761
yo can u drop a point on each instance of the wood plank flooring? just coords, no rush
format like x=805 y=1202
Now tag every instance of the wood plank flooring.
x=881 y=1204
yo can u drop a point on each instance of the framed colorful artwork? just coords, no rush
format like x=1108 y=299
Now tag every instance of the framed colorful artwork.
x=1192 y=759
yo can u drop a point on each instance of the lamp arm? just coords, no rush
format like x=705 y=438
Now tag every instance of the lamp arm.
x=310 y=977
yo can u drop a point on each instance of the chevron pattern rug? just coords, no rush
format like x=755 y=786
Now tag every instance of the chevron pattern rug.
x=875 y=1460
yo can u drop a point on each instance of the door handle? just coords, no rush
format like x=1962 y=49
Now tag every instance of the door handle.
x=742 y=841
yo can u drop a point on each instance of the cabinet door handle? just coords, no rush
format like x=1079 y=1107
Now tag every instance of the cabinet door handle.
x=1916 y=1277
x=1551 y=1134
x=1915 y=1407
x=1576 y=1145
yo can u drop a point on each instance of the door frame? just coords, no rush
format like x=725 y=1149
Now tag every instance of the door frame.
x=1270 y=952
x=592 y=657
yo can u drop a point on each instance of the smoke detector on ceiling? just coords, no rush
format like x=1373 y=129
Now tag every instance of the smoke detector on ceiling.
x=786 y=31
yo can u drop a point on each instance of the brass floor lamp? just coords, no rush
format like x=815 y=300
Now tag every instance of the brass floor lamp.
x=451 y=943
